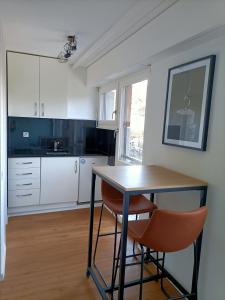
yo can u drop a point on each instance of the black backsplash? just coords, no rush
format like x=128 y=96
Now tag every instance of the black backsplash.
x=82 y=136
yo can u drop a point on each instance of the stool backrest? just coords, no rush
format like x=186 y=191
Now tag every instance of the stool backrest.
x=109 y=192
x=170 y=231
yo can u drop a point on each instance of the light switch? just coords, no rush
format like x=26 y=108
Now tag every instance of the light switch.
x=26 y=134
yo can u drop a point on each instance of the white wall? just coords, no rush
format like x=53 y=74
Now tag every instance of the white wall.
x=3 y=160
x=81 y=98
x=182 y=21
x=209 y=166
x=187 y=29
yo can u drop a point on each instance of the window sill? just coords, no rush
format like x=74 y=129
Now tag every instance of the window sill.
x=111 y=125
x=128 y=162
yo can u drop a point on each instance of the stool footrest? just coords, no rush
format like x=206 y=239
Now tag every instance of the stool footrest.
x=139 y=254
x=183 y=296
x=109 y=233
x=100 y=275
x=136 y=282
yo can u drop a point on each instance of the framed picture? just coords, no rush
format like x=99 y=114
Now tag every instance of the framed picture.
x=188 y=98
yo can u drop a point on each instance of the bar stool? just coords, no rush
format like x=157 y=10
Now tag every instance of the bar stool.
x=113 y=200
x=168 y=231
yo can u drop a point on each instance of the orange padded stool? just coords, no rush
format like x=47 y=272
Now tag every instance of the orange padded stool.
x=168 y=231
x=113 y=199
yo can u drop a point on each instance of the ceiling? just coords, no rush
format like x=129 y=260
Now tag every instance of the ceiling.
x=41 y=26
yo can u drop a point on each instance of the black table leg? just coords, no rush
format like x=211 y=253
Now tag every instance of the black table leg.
x=148 y=254
x=198 y=250
x=91 y=222
x=152 y=197
x=126 y=199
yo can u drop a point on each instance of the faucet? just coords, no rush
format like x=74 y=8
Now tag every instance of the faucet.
x=56 y=144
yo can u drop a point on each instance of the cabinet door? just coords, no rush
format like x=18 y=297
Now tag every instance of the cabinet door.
x=59 y=179
x=19 y=198
x=86 y=164
x=23 y=85
x=53 y=88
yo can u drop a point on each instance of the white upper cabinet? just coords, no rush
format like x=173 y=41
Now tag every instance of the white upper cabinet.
x=23 y=85
x=37 y=86
x=53 y=88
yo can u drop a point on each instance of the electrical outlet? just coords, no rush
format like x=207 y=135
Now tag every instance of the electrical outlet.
x=26 y=134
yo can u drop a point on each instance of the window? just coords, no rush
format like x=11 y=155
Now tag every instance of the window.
x=108 y=106
x=133 y=120
x=107 y=117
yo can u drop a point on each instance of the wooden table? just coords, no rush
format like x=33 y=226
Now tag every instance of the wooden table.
x=134 y=180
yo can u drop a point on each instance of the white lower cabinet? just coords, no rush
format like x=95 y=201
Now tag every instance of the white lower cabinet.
x=86 y=164
x=49 y=183
x=59 y=179
x=20 y=174
x=23 y=182
x=20 y=198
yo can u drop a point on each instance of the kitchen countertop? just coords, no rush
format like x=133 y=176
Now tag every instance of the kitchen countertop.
x=10 y=155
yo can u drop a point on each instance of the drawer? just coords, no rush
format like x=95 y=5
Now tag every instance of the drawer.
x=24 y=173
x=24 y=163
x=23 y=198
x=23 y=184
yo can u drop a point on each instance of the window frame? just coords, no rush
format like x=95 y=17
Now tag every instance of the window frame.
x=123 y=83
x=107 y=124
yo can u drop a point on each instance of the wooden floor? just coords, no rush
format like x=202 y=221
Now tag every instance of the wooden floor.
x=47 y=255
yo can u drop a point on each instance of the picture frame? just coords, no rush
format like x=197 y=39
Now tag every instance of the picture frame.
x=188 y=100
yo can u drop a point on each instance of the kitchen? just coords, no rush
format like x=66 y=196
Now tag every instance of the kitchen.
x=111 y=151
x=50 y=156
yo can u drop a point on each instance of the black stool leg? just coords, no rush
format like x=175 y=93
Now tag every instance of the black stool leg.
x=195 y=267
x=134 y=240
x=99 y=226
x=161 y=279
x=114 y=253
x=157 y=257
x=142 y=269
x=116 y=269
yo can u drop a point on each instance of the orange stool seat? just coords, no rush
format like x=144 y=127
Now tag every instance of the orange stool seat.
x=138 y=205
x=113 y=199
x=168 y=231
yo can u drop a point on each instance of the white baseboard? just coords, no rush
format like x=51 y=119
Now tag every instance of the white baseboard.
x=39 y=209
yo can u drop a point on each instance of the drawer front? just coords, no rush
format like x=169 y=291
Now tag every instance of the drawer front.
x=24 y=163
x=23 y=184
x=24 y=173
x=23 y=197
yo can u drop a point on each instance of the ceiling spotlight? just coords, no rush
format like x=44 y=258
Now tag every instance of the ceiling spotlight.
x=61 y=57
x=68 y=49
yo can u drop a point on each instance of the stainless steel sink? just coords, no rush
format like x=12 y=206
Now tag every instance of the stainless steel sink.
x=57 y=153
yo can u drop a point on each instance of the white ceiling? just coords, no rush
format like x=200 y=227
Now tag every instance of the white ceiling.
x=41 y=26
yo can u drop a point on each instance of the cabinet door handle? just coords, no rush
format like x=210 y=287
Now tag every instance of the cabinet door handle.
x=42 y=109
x=24 y=184
x=75 y=167
x=25 y=163
x=115 y=133
x=23 y=174
x=25 y=195
x=35 y=108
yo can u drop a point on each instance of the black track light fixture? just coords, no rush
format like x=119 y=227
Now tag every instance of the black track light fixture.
x=68 y=49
